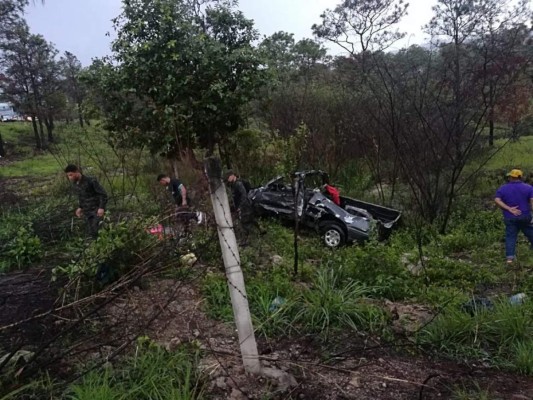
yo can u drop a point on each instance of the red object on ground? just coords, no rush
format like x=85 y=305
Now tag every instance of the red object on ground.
x=157 y=230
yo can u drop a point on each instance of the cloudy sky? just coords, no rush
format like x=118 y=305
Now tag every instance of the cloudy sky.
x=81 y=26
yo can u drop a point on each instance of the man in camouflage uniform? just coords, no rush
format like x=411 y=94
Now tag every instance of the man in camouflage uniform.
x=92 y=198
x=243 y=206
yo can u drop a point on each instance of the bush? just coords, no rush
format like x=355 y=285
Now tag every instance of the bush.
x=522 y=357
x=473 y=230
x=120 y=245
x=21 y=251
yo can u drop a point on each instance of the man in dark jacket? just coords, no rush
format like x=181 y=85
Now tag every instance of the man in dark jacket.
x=242 y=205
x=92 y=198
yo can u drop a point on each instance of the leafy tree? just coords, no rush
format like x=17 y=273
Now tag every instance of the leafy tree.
x=73 y=88
x=362 y=25
x=31 y=79
x=181 y=74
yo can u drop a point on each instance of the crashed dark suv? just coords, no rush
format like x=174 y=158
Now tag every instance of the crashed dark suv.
x=352 y=221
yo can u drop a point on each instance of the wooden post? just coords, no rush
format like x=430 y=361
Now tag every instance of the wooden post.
x=232 y=264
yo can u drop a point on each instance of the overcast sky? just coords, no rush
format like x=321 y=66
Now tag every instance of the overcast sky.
x=80 y=26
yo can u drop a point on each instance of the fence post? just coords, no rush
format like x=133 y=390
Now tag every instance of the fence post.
x=232 y=264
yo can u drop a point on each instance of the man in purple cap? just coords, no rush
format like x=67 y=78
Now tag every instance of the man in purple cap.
x=515 y=198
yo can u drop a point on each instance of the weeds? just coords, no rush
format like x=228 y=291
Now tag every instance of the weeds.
x=502 y=335
x=152 y=373
x=475 y=393
x=522 y=357
x=331 y=304
x=21 y=251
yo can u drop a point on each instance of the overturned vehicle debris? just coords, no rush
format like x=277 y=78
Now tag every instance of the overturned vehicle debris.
x=306 y=200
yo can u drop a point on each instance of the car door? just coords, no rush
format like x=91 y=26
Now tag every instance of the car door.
x=275 y=197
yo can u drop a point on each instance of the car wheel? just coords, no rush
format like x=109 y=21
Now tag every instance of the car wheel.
x=332 y=234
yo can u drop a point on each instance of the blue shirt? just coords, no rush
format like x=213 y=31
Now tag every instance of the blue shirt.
x=516 y=194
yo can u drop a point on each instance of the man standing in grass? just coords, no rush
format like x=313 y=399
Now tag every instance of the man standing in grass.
x=515 y=198
x=92 y=198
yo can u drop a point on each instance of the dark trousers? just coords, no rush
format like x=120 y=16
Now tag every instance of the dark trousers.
x=248 y=223
x=512 y=227
x=93 y=223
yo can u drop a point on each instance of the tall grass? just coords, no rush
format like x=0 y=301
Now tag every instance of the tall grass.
x=503 y=335
x=331 y=304
x=152 y=373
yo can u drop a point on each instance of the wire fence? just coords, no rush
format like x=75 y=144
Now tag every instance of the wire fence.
x=103 y=323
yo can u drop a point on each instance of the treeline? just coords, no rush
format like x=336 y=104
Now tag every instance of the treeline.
x=186 y=75
x=41 y=85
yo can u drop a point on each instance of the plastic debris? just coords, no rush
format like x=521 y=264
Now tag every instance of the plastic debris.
x=276 y=303
x=188 y=259
x=518 y=298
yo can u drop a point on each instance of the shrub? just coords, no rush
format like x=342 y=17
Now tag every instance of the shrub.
x=21 y=251
x=120 y=245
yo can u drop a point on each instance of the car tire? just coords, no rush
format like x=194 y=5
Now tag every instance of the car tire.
x=332 y=233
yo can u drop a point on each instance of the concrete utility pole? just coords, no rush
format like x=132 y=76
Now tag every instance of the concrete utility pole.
x=232 y=264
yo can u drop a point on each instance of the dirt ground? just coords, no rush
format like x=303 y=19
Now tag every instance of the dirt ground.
x=366 y=371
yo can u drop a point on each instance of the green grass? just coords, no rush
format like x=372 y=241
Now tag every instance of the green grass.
x=502 y=335
x=38 y=166
x=15 y=131
x=513 y=155
x=152 y=373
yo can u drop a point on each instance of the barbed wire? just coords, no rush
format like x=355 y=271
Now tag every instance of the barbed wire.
x=121 y=287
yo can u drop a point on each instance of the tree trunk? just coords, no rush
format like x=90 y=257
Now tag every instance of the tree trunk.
x=41 y=130
x=80 y=115
x=491 y=130
x=49 y=122
x=38 y=142
x=2 y=151
x=174 y=166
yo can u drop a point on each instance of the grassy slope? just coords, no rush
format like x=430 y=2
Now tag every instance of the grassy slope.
x=460 y=265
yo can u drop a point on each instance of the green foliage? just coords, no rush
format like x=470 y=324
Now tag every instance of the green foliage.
x=331 y=304
x=476 y=393
x=42 y=165
x=471 y=230
x=378 y=266
x=272 y=312
x=34 y=390
x=21 y=251
x=522 y=357
x=514 y=154
x=503 y=335
x=119 y=244
x=152 y=373
x=216 y=293
x=182 y=75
